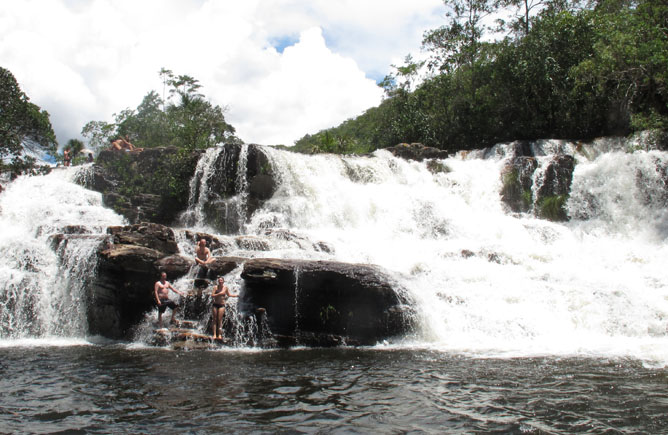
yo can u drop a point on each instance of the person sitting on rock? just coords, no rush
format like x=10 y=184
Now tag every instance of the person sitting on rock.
x=123 y=143
x=203 y=255
x=161 y=293
x=219 y=295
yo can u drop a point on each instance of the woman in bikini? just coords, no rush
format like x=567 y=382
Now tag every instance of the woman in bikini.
x=219 y=295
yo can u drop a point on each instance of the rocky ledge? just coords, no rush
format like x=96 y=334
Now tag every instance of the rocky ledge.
x=290 y=302
x=417 y=151
x=154 y=184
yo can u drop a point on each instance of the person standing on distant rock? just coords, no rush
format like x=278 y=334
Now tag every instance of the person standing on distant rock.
x=161 y=293
x=67 y=156
x=219 y=295
x=202 y=254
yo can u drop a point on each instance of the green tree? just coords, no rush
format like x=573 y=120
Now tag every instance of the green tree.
x=21 y=122
x=188 y=120
x=629 y=65
x=98 y=134
x=457 y=43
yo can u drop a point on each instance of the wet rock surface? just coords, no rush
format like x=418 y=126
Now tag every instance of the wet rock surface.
x=417 y=151
x=324 y=303
x=285 y=302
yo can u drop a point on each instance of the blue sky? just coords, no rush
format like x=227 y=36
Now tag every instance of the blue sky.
x=284 y=68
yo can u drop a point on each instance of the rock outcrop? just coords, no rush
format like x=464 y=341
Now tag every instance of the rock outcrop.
x=290 y=302
x=517 y=178
x=546 y=200
x=233 y=196
x=325 y=303
x=128 y=266
x=417 y=151
x=151 y=185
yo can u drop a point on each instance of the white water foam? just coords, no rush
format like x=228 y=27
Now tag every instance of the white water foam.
x=486 y=281
x=42 y=289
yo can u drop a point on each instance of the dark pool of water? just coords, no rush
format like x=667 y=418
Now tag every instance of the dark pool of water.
x=115 y=389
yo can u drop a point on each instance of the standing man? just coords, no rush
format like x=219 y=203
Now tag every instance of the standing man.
x=203 y=254
x=67 y=157
x=161 y=293
x=219 y=295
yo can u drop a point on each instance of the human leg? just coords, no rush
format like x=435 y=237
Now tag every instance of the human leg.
x=219 y=322
x=175 y=308
x=214 y=323
x=161 y=309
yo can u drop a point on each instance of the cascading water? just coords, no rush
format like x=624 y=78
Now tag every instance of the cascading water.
x=199 y=192
x=487 y=281
x=218 y=191
x=42 y=289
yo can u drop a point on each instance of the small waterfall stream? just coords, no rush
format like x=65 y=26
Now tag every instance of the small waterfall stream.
x=42 y=288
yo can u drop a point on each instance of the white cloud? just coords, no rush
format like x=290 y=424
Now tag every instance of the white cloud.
x=84 y=60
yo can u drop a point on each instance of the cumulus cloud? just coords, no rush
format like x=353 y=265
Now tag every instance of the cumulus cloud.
x=284 y=68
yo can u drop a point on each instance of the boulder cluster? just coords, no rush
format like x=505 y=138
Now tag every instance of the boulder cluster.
x=290 y=302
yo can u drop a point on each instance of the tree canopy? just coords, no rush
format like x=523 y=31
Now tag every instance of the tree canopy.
x=561 y=71
x=185 y=119
x=21 y=122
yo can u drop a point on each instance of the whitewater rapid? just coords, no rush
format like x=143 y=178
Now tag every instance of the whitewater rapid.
x=486 y=281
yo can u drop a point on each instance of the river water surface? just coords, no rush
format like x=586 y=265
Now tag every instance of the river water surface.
x=120 y=389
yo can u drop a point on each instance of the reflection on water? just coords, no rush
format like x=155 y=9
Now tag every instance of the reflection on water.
x=104 y=388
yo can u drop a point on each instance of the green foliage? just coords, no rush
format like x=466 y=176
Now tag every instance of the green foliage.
x=629 y=63
x=75 y=146
x=164 y=179
x=564 y=72
x=553 y=208
x=457 y=43
x=99 y=134
x=186 y=120
x=21 y=121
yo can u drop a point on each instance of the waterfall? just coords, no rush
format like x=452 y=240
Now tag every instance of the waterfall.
x=43 y=278
x=218 y=191
x=199 y=192
x=486 y=281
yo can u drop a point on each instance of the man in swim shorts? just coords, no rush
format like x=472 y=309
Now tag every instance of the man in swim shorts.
x=202 y=254
x=161 y=293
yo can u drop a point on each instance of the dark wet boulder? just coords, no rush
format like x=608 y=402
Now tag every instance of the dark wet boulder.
x=321 y=303
x=129 y=263
x=214 y=243
x=417 y=151
x=206 y=276
x=175 y=266
x=517 y=183
x=261 y=178
x=553 y=193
